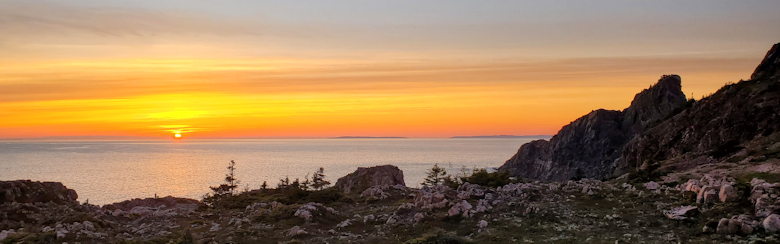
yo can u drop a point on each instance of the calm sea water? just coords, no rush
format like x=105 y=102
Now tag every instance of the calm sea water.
x=111 y=171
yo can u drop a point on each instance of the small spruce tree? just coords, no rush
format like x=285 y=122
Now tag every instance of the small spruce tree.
x=318 y=179
x=231 y=183
x=435 y=176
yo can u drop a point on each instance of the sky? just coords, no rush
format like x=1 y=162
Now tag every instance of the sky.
x=310 y=69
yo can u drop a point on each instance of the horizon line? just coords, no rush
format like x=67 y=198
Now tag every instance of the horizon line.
x=93 y=137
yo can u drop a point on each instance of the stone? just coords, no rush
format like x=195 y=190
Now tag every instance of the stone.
x=679 y=213
x=462 y=207
x=771 y=224
x=728 y=226
x=369 y=218
x=418 y=217
x=61 y=233
x=652 y=185
x=5 y=233
x=343 y=224
x=214 y=227
x=727 y=193
x=141 y=210
x=707 y=194
x=391 y=220
x=482 y=225
x=376 y=191
x=296 y=231
x=364 y=178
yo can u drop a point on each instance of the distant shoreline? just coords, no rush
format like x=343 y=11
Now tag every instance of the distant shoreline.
x=500 y=136
x=368 y=137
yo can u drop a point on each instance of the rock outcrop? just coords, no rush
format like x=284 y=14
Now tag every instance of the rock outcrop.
x=26 y=191
x=590 y=146
x=364 y=178
x=715 y=127
x=168 y=201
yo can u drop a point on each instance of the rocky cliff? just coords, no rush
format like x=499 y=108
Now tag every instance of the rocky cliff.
x=738 y=116
x=590 y=146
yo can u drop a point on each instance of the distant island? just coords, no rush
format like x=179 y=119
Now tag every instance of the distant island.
x=367 y=137
x=504 y=136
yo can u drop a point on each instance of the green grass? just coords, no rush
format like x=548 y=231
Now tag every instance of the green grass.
x=768 y=177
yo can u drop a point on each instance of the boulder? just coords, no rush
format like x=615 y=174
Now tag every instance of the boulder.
x=728 y=226
x=771 y=224
x=707 y=194
x=296 y=230
x=460 y=208
x=364 y=178
x=26 y=191
x=727 y=193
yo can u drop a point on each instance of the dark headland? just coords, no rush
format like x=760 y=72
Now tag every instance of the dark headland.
x=666 y=169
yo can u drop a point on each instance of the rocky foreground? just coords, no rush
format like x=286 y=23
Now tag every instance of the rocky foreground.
x=705 y=210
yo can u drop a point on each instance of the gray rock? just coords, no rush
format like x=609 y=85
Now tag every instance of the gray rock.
x=727 y=193
x=771 y=224
x=364 y=178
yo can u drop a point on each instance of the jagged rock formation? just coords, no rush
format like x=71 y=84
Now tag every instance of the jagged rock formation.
x=364 y=178
x=715 y=127
x=26 y=191
x=590 y=146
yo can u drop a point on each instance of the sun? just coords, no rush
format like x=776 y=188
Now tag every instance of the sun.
x=177 y=135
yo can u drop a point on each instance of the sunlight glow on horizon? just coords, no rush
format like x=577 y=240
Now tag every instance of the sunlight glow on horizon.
x=409 y=69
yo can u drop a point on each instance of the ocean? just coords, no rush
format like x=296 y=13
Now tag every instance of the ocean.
x=104 y=172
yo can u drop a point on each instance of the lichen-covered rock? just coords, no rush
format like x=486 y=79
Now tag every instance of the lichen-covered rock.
x=364 y=178
x=26 y=191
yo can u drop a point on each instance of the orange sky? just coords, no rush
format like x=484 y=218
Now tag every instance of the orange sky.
x=95 y=73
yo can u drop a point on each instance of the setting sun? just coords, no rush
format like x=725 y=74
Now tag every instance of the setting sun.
x=177 y=135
